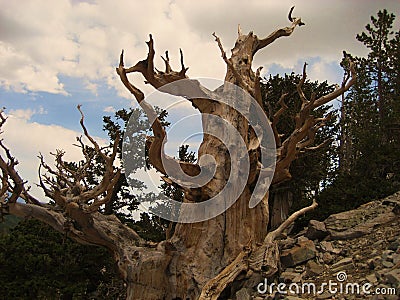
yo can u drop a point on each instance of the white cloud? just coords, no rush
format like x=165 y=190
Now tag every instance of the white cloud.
x=109 y=109
x=93 y=87
x=325 y=70
x=27 y=139
x=41 y=39
x=26 y=114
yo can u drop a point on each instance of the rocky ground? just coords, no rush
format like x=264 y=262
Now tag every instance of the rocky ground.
x=355 y=253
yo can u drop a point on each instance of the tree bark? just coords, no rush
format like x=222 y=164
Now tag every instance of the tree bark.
x=202 y=260
x=282 y=199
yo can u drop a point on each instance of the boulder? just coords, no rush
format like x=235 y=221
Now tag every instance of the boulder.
x=328 y=247
x=288 y=277
x=302 y=252
x=316 y=230
x=313 y=268
x=393 y=277
x=342 y=264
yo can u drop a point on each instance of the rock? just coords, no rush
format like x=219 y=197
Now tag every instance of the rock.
x=387 y=264
x=371 y=278
x=377 y=297
x=342 y=264
x=287 y=243
x=394 y=245
x=381 y=274
x=293 y=298
x=358 y=257
x=243 y=294
x=324 y=295
x=302 y=239
x=391 y=297
x=327 y=258
x=302 y=252
x=288 y=277
x=253 y=280
x=393 y=277
x=396 y=258
x=327 y=246
x=350 y=234
x=374 y=258
x=395 y=204
x=362 y=265
x=313 y=269
x=290 y=270
x=299 y=269
x=358 y=222
x=374 y=262
x=316 y=230
x=387 y=255
x=378 y=243
x=374 y=252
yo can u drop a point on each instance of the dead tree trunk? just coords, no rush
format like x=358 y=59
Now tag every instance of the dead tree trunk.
x=201 y=260
x=281 y=202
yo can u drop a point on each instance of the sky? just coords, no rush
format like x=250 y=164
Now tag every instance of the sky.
x=55 y=55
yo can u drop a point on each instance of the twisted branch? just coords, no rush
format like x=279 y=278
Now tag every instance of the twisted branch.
x=306 y=125
x=286 y=31
x=156 y=143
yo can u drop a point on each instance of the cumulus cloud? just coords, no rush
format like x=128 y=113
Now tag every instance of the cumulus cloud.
x=26 y=114
x=42 y=42
x=109 y=109
x=41 y=39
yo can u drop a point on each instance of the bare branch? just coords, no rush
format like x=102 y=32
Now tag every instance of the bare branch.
x=155 y=144
x=286 y=31
x=121 y=71
x=346 y=84
x=300 y=85
x=320 y=146
x=240 y=33
x=257 y=87
x=94 y=143
x=226 y=60
x=198 y=95
x=166 y=61
x=306 y=125
x=157 y=79
x=13 y=186
x=290 y=220
x=183 y=69
x=275 y=119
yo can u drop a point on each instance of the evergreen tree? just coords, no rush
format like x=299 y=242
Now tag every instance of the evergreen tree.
x=374 y=108
x=313 y=169
x=370 y=123
x=36 y=262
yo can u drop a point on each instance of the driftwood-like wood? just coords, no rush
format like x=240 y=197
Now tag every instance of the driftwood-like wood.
x=200 y=260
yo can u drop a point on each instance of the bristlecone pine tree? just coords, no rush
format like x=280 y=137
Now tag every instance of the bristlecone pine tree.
x=203 y=260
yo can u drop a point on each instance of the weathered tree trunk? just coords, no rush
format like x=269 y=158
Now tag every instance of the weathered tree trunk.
x=282 y=199
x=210 y=258
x=206 y=259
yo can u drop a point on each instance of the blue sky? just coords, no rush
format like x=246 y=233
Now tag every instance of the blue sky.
x=57 y=54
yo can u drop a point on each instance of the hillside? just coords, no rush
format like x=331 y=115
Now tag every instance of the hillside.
x=355 y=249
